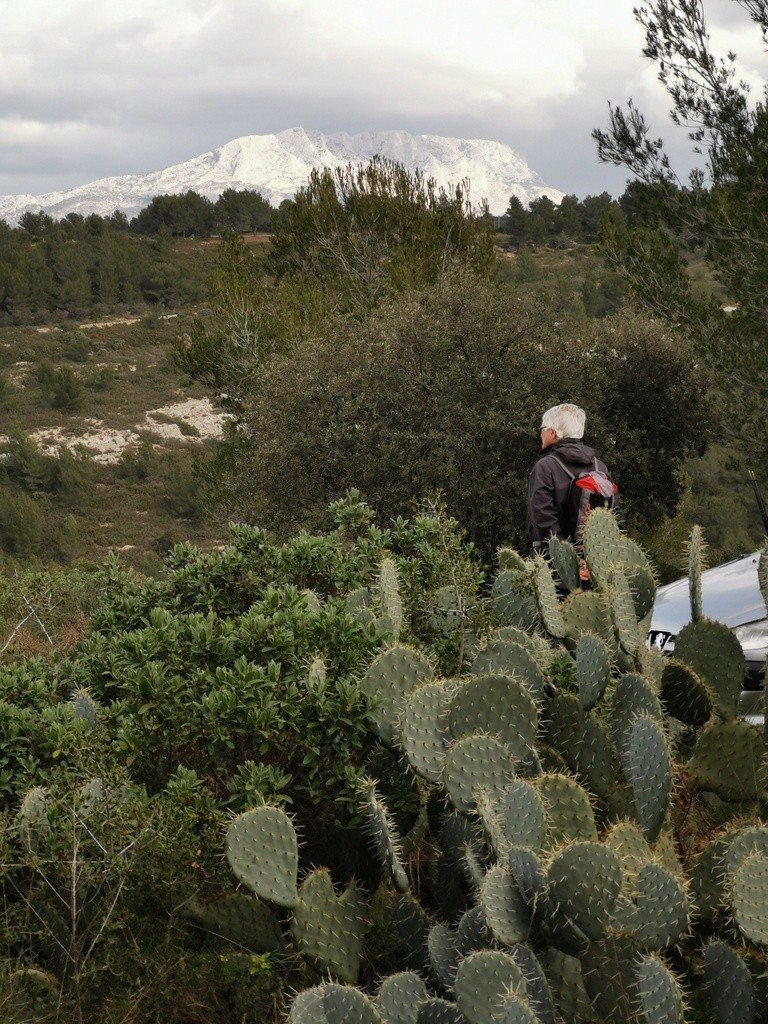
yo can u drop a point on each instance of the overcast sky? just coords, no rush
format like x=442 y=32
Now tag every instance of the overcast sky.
x=90 y=89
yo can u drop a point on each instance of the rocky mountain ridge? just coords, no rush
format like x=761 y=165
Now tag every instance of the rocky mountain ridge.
x=278 y=165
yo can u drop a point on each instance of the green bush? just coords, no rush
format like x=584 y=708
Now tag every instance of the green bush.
x=137 y=464
x=22 y=524
x=543 y=832
x=231 y=680
x=443 y=391
x=73 y=476
x=66 y=391
x=76 y=345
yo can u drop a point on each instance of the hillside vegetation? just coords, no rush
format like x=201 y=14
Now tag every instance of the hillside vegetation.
x=250 y=771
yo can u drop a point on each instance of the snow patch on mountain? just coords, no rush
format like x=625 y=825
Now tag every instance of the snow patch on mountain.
x=279 y=165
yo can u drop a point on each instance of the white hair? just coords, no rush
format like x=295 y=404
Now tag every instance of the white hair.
x=566 y=420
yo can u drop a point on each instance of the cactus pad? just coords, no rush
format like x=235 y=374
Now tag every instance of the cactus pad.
x=390 y=678
x=604 y=546
x=263 y=853
x=581 y=739
x=728 y=979
x=472 y=932
x=659 y=1000
x=588 y=611
x=329 y=929
x=389 y=595
x=708 y=879
x=358 y=605
x=647 y=763
x=444 y=954
x=516 y=1011
x=345 y=1005
x=424 y=728
x=583 y=882
x=412 y=927
x=729 y=759
x=537 y=990
x=477 y=762
x=386 y=841
x=85 y=707
x=632 y=697
x=565 y=562
x=740 y=844
x=512 y=659
x=569 y=811
x=546 y=600
x=567 y=983
x=242 y=920
x=623 y=615
x=715 y=655
x=511 y=603
x=662 y=915
x=509 y=559
x=697 y=559
x=684 y=695
x=523 y=815
x=483 y=980
x=627 y=841
x=504 y=908
x=593 y=667
x=30 y=996
x=449 y=611
x=439 y=1011
x=399 y=997
x=749 y=898
x=642 y=587
x=33 y=820
x=526 y=869
x=497 y=705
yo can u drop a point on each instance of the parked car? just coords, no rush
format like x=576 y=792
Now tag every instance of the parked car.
x=730 y=594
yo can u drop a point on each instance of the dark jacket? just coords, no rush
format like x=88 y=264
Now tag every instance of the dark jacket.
x=549 y=489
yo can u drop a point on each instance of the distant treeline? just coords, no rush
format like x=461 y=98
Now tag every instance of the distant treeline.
x=573 y=220
x=81 y=264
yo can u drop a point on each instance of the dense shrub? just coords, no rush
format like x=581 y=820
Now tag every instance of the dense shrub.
x=444 y=390
x=22 y=524
x=230 y=680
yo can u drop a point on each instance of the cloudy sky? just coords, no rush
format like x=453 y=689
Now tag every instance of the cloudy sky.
x=90 y=89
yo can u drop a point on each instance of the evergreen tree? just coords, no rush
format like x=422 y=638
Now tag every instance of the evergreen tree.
x=720 y=213
x=366 y=231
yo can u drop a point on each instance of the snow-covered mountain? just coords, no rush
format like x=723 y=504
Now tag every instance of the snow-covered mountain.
x=279 y=165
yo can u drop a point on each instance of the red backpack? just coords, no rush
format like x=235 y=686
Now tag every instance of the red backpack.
x=589 y=489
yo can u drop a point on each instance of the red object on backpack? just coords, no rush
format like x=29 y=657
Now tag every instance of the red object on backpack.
x=596 y=490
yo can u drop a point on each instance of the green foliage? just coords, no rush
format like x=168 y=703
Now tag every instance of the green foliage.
x=441 y=391
x=350 y=239
x=367 y=231
x=540 y=842
x=69 y=899
x=136 y=464
x=88 y=264
x=571 y=221
x=718 y=214
x=21 y=524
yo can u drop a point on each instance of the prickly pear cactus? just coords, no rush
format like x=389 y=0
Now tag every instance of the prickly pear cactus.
x=262 y=850
x=560 y=876
x=394 y=674
x=34 y=826
x=391 y=602
x=697 y=563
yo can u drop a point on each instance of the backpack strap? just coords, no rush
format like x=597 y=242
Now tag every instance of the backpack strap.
x=562 y=465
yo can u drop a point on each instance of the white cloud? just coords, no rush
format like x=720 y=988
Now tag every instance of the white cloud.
x=88 y=89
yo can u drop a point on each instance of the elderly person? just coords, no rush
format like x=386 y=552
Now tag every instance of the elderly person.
x=554 y=497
